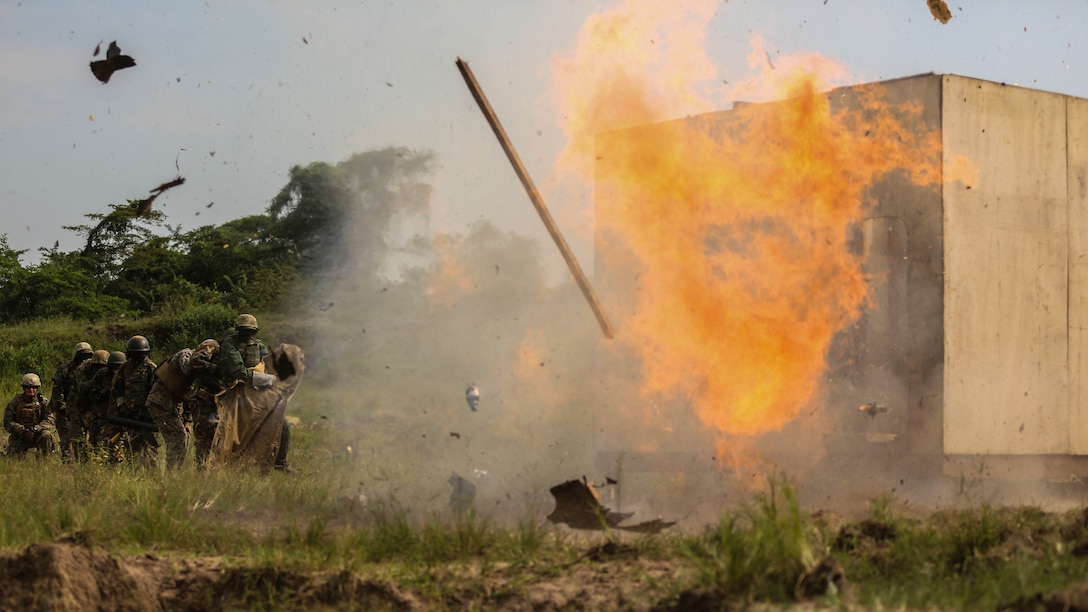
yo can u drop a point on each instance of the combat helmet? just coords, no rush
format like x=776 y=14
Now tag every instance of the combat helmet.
x=31 y=380
x=246 y=321
x=117 y=358
x=138 y=344
x=84 y=347
x=100 y=357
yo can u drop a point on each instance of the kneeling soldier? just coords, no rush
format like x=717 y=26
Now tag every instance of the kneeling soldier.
x=29 y=419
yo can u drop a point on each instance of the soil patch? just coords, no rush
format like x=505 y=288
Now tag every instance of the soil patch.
x=72 y=575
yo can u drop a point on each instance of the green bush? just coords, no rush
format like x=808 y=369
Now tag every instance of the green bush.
x=170 y=333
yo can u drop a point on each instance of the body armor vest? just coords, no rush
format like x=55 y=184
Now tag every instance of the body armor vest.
x=251 y=354
x=175 y=381
x=27 y=413
x=138 y=379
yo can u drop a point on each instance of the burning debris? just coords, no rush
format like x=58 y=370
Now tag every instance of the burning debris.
x=872 y=409
x=104 y=69
x=578 y=505
x=472 y=396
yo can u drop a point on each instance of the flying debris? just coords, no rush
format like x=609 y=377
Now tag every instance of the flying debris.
x=144 y=206
x=872 y=409
x=578 y=506
x=141 y=208
x=940 y=10
x=463 y=494
x=115 y=60
x=472 y=396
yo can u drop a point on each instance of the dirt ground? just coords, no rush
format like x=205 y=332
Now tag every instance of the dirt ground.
x=77 y=575
x=72 y=575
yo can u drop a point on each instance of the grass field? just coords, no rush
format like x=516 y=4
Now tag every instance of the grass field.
x=243 y=540
x=362 y=523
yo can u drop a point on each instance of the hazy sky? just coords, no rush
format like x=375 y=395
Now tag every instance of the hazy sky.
x=236 y=92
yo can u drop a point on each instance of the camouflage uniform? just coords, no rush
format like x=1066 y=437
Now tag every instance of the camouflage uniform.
x=92 y=400
x=202 y=409
x=64 y=385
x=78 y=428
x=30 y=421
x=238 y=358
x=128 y=399
x=172 y=381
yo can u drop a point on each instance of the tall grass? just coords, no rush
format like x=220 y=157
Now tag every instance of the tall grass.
x=760 y=552
x=271 y=517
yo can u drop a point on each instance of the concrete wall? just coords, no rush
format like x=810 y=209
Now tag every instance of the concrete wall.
x=1007 y=256
x=979 y=338
x=1077 y=190
x=895 y=351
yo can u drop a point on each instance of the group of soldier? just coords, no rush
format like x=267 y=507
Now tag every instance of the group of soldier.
x=116 y=402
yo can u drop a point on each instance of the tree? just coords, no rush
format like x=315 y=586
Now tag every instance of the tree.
x=147 y=275
x=322 y=206
x=112 y=240
x=11 y=271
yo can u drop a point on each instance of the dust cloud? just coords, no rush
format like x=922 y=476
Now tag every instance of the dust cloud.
x=733 y=258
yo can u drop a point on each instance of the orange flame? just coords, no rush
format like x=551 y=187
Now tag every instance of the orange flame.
x=737 y=221
x=447 y=279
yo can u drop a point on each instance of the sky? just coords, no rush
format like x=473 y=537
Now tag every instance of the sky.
x=230 y=95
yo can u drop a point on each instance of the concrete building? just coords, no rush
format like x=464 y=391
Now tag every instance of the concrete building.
x=978 y=340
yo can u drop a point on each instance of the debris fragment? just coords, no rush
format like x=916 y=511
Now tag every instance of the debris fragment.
x=940 y=10
x=538 y=202
x=578 y=506
x=472 y=396
x=872 y=409
x=144 y=206
x=462 y=496
x=115 y=60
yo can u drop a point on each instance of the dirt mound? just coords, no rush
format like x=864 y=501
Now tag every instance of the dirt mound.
x=72 y=575
x=69 y=576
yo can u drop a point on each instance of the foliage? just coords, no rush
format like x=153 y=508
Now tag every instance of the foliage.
x=313 y=211
x=760 y=553
x=133 y=263
x=110 y=242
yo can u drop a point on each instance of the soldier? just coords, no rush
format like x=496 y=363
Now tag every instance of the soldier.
x=202 y=408
x=29 y=419
x=241 y=352
x=78 y=426
x=128 y=401
x=172 y=381
x=63 y=387
x=94 y=399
